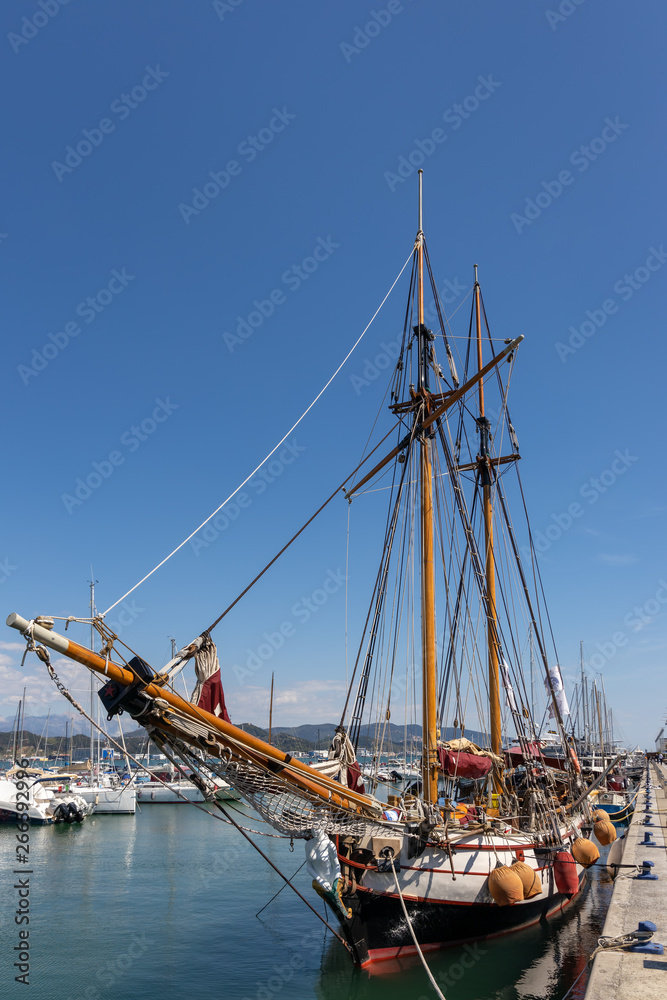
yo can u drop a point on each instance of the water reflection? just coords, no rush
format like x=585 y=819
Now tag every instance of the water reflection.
x=192 y=886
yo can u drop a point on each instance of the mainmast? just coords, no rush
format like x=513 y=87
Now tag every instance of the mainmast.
x=486 y=481
x=429 y=654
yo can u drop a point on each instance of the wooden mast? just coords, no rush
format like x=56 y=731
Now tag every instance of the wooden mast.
x=492 y=625
x=429 y=655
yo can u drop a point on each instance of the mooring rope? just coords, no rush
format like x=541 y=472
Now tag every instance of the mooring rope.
x=283 y=877
x=612 y=944
x=414 y=936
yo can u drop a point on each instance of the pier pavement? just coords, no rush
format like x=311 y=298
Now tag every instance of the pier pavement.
x=624 y=975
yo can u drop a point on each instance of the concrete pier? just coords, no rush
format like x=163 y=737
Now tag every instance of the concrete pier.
x=624 y=975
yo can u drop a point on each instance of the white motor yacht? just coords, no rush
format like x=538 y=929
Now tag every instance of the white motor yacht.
x=46 y=803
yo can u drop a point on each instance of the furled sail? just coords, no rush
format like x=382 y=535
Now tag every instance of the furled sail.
x=208 y=693
x=555 y=682
x=341 y=749
x=463 y=759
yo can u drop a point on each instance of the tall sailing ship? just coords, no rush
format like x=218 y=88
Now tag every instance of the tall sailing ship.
x=485 y=841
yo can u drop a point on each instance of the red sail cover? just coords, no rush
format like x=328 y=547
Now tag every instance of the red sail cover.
x=212 y=697
x=354 y=781
x=464 y=765
x=517 y=757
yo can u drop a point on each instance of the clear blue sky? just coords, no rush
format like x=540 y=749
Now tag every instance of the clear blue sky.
x=543 y=144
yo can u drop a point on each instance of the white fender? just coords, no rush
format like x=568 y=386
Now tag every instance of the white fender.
x=615 y=856
x=322 y=860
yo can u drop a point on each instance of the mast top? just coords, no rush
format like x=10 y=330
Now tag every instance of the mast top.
x=476 y=281
x=419 y=221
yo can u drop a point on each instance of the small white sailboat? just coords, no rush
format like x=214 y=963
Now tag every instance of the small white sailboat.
x=175 y=792
x=104 y=790
x=108 y=795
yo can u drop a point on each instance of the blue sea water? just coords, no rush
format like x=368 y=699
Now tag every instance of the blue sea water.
x=162 y=905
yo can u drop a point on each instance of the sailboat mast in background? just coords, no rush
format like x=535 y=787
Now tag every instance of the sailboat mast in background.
x=92 y=676
x=271 y=708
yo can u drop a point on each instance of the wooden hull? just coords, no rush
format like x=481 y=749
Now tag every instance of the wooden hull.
x=378 y=931
x=446 y=895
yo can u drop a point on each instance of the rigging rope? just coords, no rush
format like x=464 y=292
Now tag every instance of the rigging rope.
x=296 y=534
x=283 y=877
x=43 y=654
x=273 y=450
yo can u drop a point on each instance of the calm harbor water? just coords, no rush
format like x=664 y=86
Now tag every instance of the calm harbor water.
x=162 y=905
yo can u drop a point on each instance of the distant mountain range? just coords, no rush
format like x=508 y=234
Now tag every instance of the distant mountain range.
x=288 y=738
x=369 y=733
x=37 y=724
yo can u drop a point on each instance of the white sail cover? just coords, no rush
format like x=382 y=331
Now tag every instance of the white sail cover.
x=509 y=690
x=555 y=684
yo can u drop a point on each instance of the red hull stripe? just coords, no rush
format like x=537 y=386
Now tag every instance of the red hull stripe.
x=410 y=868
x=437 y=871
x=435 y=902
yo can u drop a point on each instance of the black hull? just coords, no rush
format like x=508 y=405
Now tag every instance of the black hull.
x=378 y=932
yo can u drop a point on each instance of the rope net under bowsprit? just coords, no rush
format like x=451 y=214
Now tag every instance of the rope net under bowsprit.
x=291 y=811
x=277 y=790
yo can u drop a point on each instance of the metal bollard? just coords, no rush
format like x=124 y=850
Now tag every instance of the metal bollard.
x=645 y=872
